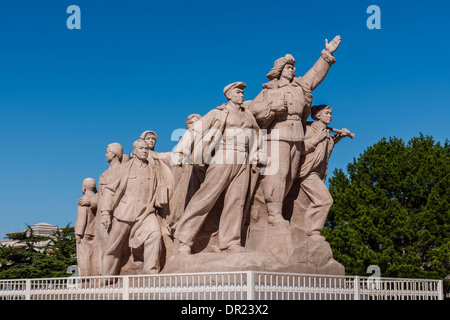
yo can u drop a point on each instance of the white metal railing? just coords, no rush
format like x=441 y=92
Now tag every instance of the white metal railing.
x=245 y=285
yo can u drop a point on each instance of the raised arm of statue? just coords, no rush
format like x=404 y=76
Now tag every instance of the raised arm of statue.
x=320 y=69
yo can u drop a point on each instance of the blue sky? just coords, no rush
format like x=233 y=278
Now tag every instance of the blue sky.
x=145 y=65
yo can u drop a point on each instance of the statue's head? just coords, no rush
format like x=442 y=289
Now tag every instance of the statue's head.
x=141 y=149
x=150 y=137
x=283 y=67
x=193 y=118
x=114 y=150
x=88 y=185
x=234 y=92
x=322 y=113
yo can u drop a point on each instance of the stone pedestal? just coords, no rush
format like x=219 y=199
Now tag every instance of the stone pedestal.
x=274 y=249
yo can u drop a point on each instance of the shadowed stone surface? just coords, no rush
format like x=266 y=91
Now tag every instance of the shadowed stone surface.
x=277 y=249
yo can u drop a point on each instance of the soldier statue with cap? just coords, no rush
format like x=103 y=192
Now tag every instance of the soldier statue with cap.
x=227 y=174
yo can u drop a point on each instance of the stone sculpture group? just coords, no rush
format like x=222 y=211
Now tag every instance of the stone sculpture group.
x=242 y=190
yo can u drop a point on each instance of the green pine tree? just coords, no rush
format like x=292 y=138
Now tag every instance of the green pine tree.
x=40 y=256
x=392 y=209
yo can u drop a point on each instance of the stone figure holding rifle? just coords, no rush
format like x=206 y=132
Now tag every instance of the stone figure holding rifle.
x=318 y=145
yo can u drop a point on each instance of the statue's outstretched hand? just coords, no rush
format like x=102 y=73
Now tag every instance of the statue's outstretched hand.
x=333 y=45
x=345 y=132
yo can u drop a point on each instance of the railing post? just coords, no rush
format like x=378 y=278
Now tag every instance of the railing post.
x=126 y=288
x=250 y=285
x=356 y=288
x=440 y=289
x=27 y=289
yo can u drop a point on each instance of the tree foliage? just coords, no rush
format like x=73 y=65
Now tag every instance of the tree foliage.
x=392 y=209
x=40 y=256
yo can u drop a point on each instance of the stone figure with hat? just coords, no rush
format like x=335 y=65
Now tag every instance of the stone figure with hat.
x=283 y=106
x=219 y=135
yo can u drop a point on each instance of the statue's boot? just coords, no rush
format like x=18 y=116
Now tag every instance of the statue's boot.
x=181 y=248
x=275 y=217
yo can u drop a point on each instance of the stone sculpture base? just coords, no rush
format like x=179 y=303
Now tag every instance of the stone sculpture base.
x=274 y=249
